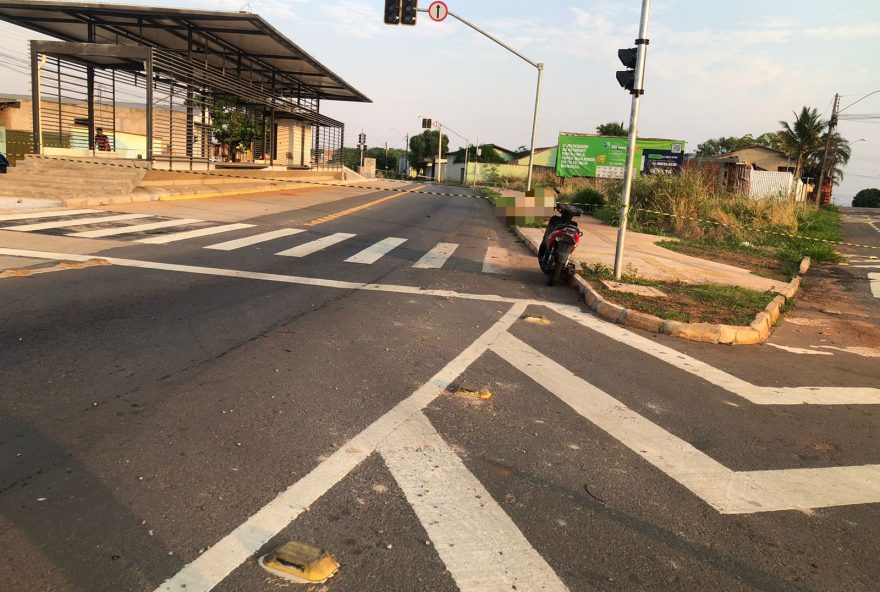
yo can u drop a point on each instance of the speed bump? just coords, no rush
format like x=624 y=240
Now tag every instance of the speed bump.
x=299 y=562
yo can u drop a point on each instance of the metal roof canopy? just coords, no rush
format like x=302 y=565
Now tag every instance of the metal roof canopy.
x=234 y=41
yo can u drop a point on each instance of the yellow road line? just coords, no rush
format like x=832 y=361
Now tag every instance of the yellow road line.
x=370 y=204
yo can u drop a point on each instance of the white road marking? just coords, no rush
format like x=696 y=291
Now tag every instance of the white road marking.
x=375 y=252
x=52 y=214
x=255 y=239
x=187 y=234
x=800 y=350
x=729 y=492
x=316 y=245
x=135 y=228
x=874 y=278
x=271 y=277
x=759 y=395
x=436 y=257
x=865 y=352
x=211 y=567
x=77 y=222
x=478 y=542
x=495 y=260
x=871 y=266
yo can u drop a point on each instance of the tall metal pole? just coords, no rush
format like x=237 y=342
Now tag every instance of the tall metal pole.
x=832 y=123
x=439 y=151
x=467 y=147
x=540 y=68
x=535 y=125
x=638 y=89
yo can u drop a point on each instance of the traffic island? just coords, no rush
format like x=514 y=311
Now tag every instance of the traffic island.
x=746 y=330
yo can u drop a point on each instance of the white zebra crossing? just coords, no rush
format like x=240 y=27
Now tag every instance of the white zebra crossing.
x=375 y=252
x=77 y=222
x=255 y=239
x=135 y=228
x=874 y=279
x=436 y=257
x=316 y=245
x=187 y=234
x=52 y=214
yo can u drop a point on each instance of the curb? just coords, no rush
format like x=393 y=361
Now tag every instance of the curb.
x=757 y=332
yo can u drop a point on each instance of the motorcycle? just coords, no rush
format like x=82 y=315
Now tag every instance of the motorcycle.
x=560 y=239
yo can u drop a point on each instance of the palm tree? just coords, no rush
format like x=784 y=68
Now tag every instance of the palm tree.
x=802 y=138
x=612 y=129
x=839 y=154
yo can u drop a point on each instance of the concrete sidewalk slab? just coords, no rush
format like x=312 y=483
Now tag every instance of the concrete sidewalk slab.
x=653 y=261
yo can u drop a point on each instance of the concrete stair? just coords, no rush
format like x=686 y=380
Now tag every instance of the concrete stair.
x=57 y=179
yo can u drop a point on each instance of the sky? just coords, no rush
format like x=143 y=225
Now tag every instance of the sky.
x=713 y=68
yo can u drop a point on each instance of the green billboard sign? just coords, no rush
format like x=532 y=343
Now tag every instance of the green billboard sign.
x=605 y=157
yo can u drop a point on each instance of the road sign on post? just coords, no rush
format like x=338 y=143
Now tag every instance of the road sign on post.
x=438 y=11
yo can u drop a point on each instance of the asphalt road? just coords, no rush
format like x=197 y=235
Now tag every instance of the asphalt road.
x=170 y=417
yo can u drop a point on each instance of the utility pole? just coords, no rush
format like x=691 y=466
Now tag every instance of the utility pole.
x=637 y=91
x=386 y=157
x=406 y=160
x=832 y=124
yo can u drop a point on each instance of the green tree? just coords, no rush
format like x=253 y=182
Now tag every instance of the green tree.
x=867 y=198
x=488 y=155
x=234 y=128
x=423 y=147
x=613 y=129
x=802 y=138
x=722 y=145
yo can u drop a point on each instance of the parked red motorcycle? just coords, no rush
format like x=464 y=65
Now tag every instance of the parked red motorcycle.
x=560 y=239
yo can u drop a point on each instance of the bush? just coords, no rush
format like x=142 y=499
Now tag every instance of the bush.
x=591 y=199
x=867 y=198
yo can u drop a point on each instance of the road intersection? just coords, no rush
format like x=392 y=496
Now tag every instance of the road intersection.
x=192 y=404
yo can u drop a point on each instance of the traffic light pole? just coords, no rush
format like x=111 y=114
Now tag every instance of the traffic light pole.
x=538 y=66
x=638 y=89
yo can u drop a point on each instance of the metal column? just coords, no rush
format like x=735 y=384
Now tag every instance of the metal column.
x=35 y=99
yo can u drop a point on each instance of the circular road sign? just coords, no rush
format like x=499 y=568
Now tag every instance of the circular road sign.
x=438 y=11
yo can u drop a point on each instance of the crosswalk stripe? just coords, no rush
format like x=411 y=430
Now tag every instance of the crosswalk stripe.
x=135 y=228
x=255 y=239
x=436 y=257
x=186 y=234
x=494 y=260
x=316 y=245
x=874 y=278
x=78 y=222
x=478 y=542
x=375 y=252
x=52 y=214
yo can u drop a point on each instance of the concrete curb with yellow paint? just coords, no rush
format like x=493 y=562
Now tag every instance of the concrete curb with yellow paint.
x=63 y=266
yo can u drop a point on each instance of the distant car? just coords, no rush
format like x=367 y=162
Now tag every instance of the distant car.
x=3 y=164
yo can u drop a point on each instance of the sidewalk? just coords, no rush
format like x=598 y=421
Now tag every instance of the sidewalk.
x=652 y=261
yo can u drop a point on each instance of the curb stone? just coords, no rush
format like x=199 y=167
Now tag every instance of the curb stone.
x=757 y=332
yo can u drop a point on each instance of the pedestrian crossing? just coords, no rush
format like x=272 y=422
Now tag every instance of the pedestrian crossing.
x=157 y=230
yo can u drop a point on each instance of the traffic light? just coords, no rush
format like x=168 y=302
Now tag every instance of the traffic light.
x=362 y=138
x=408 y=12
x=627 y=78
x=392 y=12
x=426 y=123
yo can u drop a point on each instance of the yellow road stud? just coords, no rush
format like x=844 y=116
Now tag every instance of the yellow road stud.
x=535 y=319
x=299 y=562
x=483 y=393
